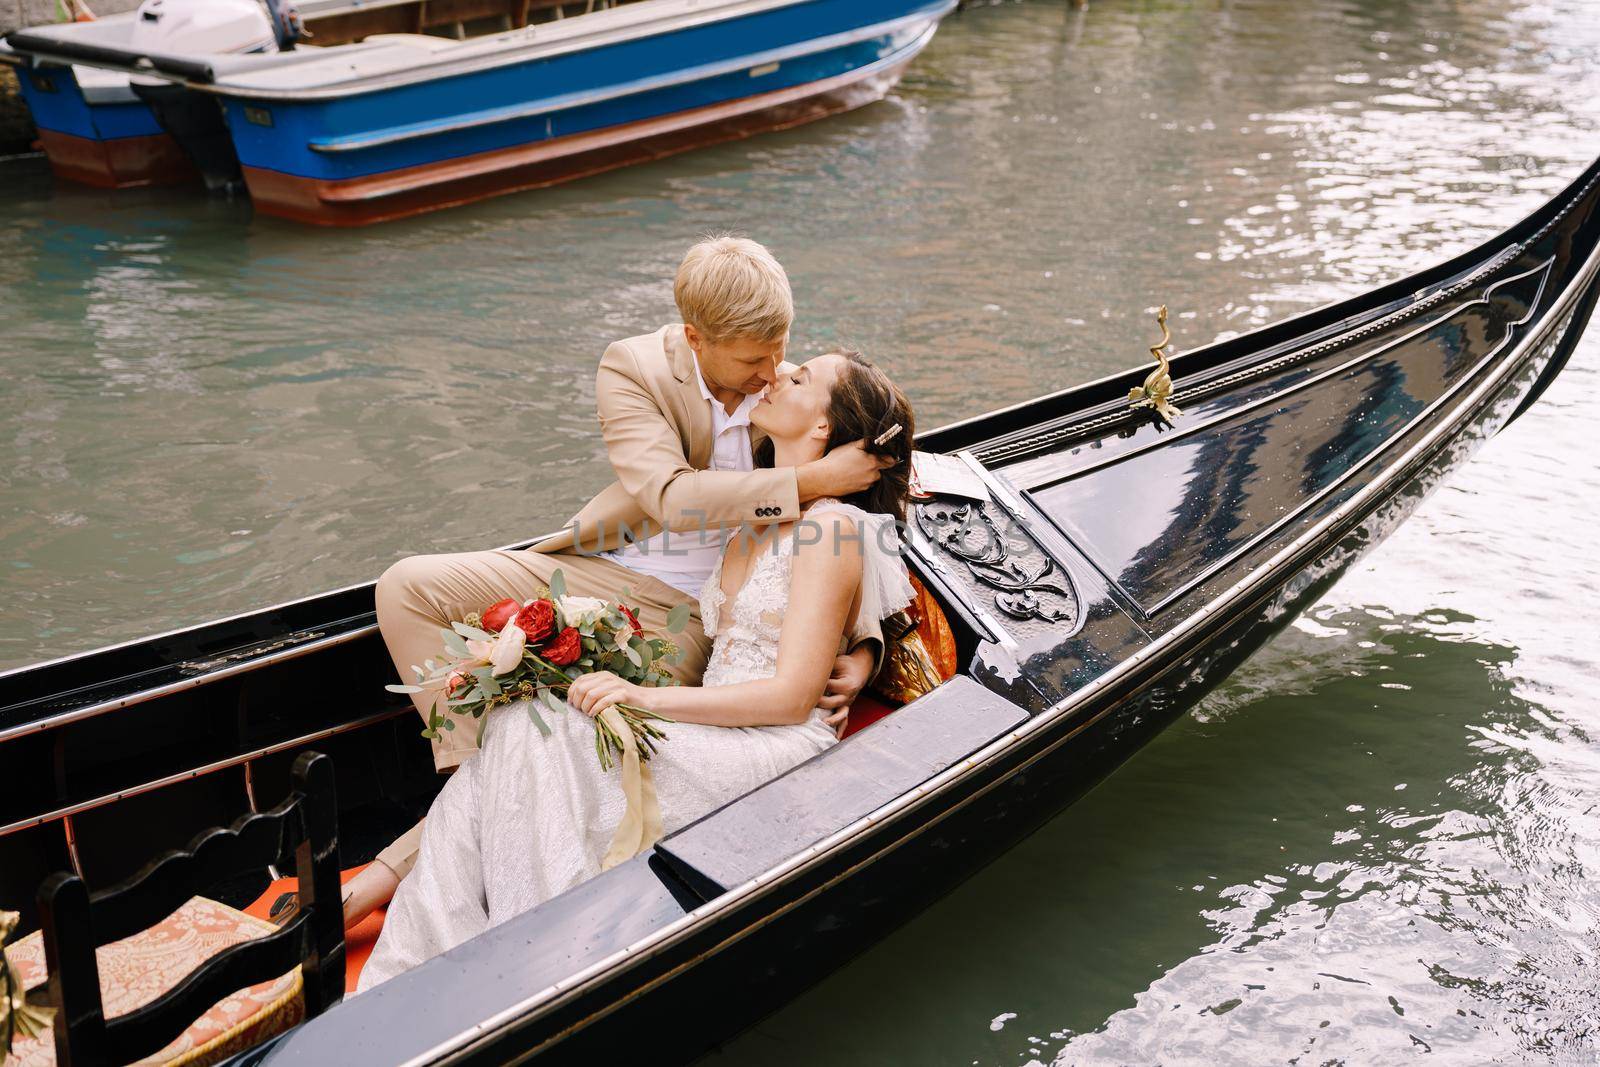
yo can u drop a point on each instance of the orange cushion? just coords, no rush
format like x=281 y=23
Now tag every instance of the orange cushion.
x=916 y=663
x=938 y=640
x=358 y=940
x=138 y=969
x=934 y=629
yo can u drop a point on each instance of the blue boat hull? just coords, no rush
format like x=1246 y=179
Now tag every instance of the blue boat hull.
x=111 y=145
x=370 y=156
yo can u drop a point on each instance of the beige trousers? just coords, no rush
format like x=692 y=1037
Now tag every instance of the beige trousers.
x=419 y=595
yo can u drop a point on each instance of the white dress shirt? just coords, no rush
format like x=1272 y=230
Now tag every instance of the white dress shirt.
x=685 y=560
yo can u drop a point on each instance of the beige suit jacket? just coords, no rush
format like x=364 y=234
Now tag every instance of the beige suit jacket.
x=657 y=429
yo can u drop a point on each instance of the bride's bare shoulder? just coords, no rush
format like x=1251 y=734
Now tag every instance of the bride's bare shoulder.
x=828 y=542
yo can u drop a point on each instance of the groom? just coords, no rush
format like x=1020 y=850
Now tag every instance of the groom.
x=674 y=409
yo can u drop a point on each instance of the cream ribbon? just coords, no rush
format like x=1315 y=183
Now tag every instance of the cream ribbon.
x=641 y=821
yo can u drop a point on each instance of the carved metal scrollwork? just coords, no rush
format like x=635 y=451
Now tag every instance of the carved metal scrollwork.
x=966 y=531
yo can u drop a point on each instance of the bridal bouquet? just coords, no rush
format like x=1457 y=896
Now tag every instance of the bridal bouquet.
x=532 y=651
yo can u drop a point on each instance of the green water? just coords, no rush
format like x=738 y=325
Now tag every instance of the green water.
x=1378 y=842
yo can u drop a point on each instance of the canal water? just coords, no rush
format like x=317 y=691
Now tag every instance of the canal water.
x=1379 y=841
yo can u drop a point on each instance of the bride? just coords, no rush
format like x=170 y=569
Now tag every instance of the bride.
x=529 y=817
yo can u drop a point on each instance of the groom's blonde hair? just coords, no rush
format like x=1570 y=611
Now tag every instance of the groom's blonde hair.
x=730 y=286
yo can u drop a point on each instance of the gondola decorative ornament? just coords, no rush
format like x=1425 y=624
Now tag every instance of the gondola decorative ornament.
x=18 y=1018
x=1156 y=392
x=966 y=531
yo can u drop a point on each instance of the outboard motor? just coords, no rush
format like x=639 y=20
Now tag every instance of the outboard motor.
x=286 y=24
x=203 y=27
x=197 y=29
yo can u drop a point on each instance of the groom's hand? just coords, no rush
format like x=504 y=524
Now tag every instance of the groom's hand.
x=847 y=470
x=851 y=673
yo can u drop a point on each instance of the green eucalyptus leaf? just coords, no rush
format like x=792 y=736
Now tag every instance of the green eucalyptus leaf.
x=677 y=619
x=558 y=584
x=533 y=713
x=553 y=702
x=471 y=632
x=405 y=689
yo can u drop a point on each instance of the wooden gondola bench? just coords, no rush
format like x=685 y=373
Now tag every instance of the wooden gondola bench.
x=148 y=970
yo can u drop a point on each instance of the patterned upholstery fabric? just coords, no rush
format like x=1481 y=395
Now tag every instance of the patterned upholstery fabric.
x=137 y=970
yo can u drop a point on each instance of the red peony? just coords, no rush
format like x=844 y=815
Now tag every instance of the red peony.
x=537 y=620
x=565 y=649
x=499 y=613
x=632 y=618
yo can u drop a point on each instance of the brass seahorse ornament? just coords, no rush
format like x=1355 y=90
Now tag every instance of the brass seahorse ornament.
x=1156 y=392
x=18 y=1018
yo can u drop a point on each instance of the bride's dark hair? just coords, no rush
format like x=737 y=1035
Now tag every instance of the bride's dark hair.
x=866 y=406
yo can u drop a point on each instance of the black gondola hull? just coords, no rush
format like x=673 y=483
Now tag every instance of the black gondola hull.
x=1086 y=633
x=704 y=988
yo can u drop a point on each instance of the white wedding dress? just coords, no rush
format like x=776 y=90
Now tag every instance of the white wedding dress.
x=530 y=816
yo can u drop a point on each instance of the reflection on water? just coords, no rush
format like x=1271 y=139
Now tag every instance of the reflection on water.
x=1378 y=841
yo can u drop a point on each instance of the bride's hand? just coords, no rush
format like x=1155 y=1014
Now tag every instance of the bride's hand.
x=595 y=692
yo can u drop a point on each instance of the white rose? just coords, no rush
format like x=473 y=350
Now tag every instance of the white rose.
x=502 y=654
x=580 y=610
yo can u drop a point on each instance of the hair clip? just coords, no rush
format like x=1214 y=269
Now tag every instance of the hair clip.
x=888 y=435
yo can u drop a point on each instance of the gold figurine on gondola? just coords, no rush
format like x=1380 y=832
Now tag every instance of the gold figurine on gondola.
x=1156 y=392
x=18 y=1018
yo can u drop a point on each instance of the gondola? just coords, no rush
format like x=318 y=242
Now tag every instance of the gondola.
x=1105 y=555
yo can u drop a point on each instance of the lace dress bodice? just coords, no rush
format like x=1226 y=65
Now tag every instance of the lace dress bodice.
x=744 y=633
